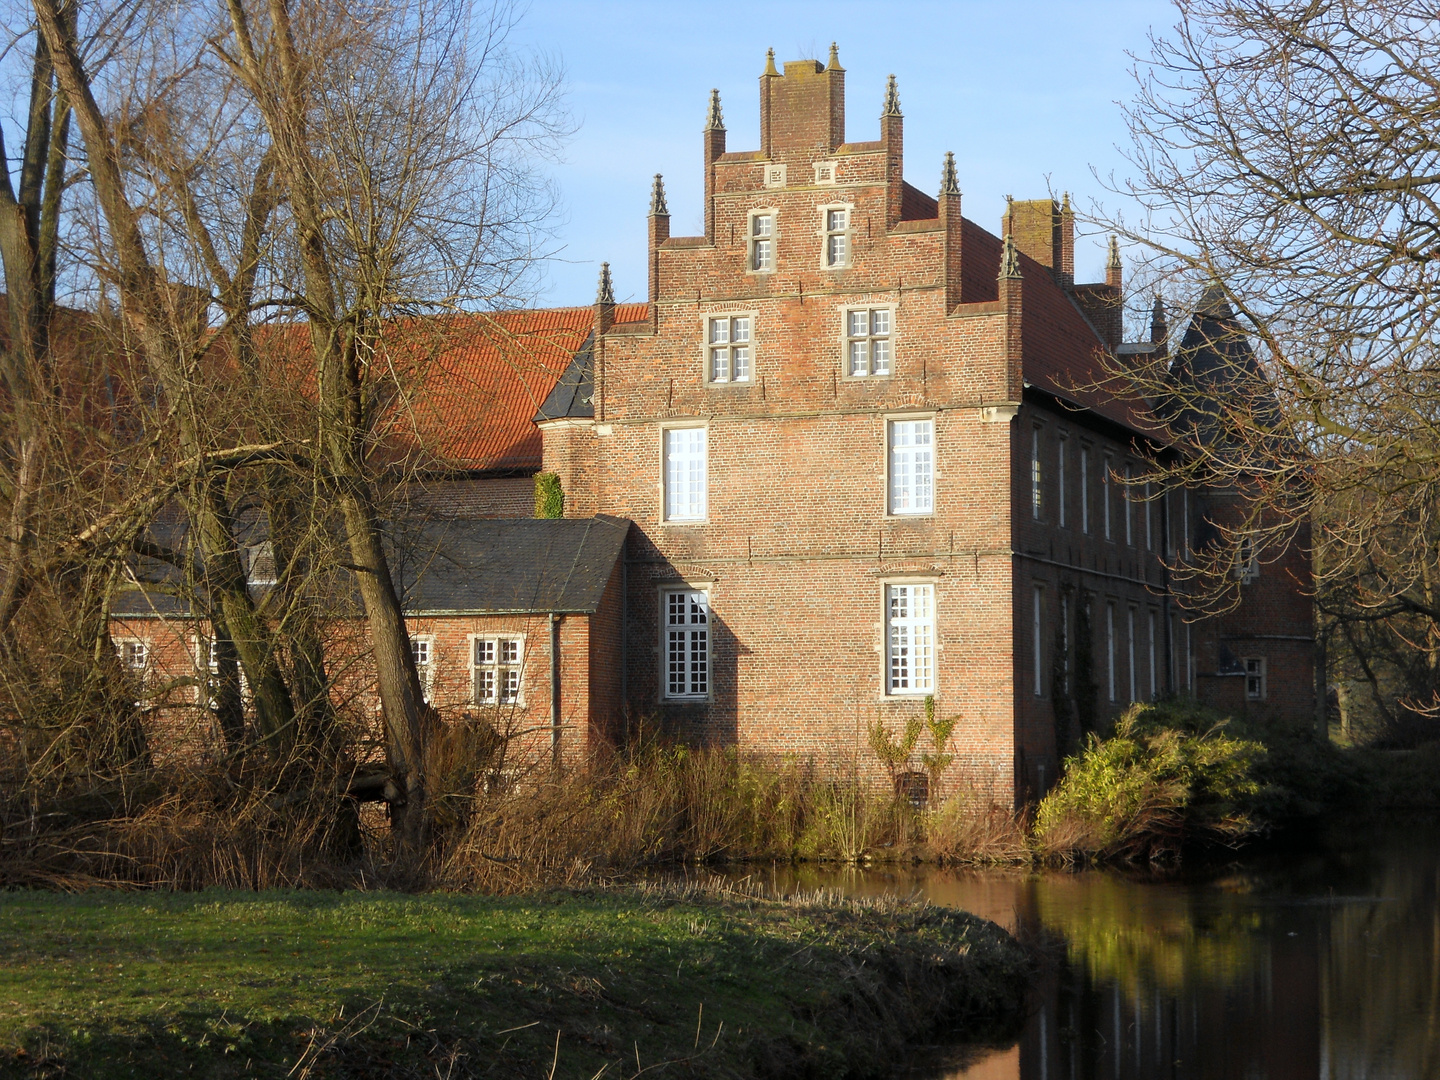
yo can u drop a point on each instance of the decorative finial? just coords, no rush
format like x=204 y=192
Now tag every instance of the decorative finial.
x=770 y=63
x=1113 y=261
x=948 y=184
x=834 y=64
x=892 y=99
x=713 y=120
x=657 y=199
x=1158 y=327
x=1065 y=203
x=606 y=293
x=1010 y=259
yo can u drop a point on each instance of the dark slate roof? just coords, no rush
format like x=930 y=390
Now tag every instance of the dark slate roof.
x=531 y=565
x=461 y=567
x=1215 y=368
x=574 y=395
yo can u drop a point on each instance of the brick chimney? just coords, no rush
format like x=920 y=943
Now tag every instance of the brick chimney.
x=1038 y=226
x=714 y=149
x=1066 y=276
x=803 y=110
x=604 y=319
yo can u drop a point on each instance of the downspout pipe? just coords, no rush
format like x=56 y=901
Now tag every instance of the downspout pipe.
x=555 y=689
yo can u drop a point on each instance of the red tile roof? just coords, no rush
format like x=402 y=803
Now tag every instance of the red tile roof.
x=488 y=378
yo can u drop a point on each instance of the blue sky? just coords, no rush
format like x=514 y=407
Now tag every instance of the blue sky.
x=1024 y=93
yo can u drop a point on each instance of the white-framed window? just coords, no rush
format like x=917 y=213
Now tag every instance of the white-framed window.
x=1130 y=653
x=497 y=669
x=836 y=222
x=1065 y=640
x=910 y=639
x=1036 y=498
x=868 y=342
x=1145 y=509
x=1108 y=466
x=1171 y=646
x=423 y=650
x=260 y=564
x=762 y=241
x=1060 y=481
x=727 y=349
x=1128 y=503
x=1154 y=689
x=1038 y=637
x=1085 y=489
x=1110 y=649
x=1185 y=523
x=686 y=644
x=1254 y=678
x=911 y=454
x=1247 y=559
x=685 y=473
x=134 y=654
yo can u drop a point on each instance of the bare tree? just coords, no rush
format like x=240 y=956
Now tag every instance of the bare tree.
x=1286 y=161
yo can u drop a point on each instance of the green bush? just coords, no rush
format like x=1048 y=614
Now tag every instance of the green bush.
x=1169 y=775
x=549 y=497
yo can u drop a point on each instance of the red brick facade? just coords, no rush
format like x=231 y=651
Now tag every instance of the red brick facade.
x=796 y=544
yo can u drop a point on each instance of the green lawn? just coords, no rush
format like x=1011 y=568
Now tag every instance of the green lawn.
x=378 y=984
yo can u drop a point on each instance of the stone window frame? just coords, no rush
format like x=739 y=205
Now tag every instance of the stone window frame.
x=846 y=310
x=887 y=690
x=496 y=665
x=753 y=315
x=825 y=233
x=664 y=590
x=750 y=238
x=776 y=174
x=827 y=173
x=1257 y=678
x=889 y=420
x=665 y=428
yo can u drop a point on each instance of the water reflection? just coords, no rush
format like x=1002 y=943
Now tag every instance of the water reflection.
x=1324 y=965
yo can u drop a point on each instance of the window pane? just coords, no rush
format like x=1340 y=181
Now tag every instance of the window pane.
x=911 y=466
x=687 y=644
x=859 y=323
x=762 y=255
x=836 y=220
x=881 y=351
x=512 y=685
x=741 y=357
x=763 y=224
x=420 y=650
x=484 y=651
x=880 y=322
x=911 y=667
x=859 y=358
x=719 y=365
x=719 y=331
x=485 y=685
x=836 y=254
x=685 y=462
x=740 y=328
x=509 y=652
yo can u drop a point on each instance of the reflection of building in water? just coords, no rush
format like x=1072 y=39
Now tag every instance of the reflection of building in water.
x=1323 y=968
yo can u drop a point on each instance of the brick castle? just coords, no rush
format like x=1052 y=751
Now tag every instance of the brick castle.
x=861 y=453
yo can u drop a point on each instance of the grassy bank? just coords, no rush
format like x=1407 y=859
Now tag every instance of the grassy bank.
x=613 y=982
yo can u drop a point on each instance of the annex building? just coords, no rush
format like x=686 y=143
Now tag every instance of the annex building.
x=853 y=452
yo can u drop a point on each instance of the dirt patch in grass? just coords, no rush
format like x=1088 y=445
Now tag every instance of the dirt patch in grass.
x=704 y=981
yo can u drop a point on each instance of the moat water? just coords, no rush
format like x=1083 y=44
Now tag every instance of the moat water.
x=1321 y=964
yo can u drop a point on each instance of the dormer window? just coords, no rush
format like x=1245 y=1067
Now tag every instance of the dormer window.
x=762 y=242
x=837 y=237
x=728 y=349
